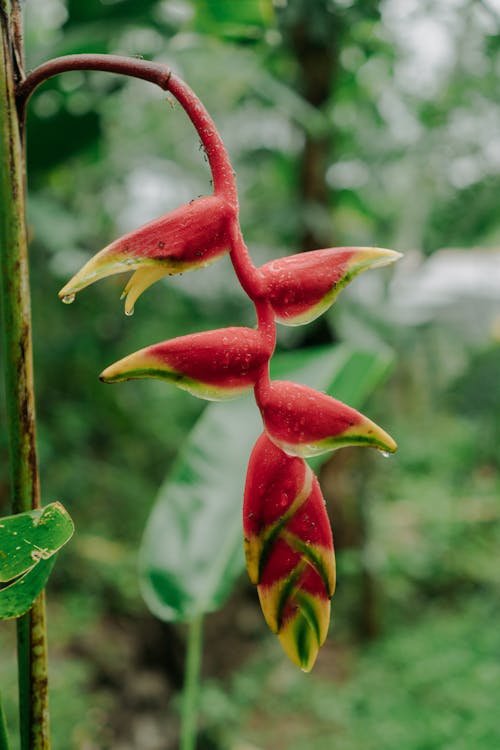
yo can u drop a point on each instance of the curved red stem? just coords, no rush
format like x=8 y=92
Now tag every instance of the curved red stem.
x=224 y=182
x=160 y=75
x=220 y=165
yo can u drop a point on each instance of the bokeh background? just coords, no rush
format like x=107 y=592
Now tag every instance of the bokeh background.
x=349 y=122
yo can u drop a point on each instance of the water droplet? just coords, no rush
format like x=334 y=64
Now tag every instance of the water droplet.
x=68 y=299
x=385 y=454
x=129 y=312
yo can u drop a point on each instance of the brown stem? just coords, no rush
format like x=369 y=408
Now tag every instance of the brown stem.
x=16 y=320
x=314 y=39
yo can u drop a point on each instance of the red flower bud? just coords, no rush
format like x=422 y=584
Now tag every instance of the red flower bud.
x=189 y=237
x=214 y=365
x=289 y=549
x=301 y=287
x=304 y=422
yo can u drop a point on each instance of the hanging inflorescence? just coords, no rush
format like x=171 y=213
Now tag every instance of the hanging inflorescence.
x=288 y=540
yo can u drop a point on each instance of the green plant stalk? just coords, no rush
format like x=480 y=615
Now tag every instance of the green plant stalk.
x=18 y=359
x=4 y=737
x=191 y=690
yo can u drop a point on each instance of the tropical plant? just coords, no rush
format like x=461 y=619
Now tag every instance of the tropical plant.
x=288 y=540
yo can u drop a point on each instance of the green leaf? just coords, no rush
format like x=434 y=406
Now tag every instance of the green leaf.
x=28 y=544
x=234 y=20
x=192 y=550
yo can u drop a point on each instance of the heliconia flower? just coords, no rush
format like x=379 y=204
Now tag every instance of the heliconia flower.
x=305 y=422
x=301 y=287
x=188 y=237
x=289 y=549
x=213 y=365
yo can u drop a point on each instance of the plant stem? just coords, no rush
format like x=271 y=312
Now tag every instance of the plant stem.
x=191 y=690
x=16 y=320
x=220 y=165
x=4 y=737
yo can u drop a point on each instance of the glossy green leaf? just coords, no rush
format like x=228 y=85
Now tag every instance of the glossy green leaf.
x=192 y=549
x=28 y=545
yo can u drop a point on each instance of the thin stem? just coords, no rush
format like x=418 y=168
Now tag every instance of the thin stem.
x=4 y=737
x=266 y=323
x=251 y=281
x=16 y=320
x=191 y=690
x=247 y=273
x=220 y=165
x=129 y=66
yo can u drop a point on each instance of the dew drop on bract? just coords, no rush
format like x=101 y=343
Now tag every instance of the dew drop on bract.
x=385 y=454
x=129 y=312
x=68 y=299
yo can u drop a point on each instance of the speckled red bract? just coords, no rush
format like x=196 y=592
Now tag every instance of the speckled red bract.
x=228 y=356
x=273 y=482
x=194 y=233
x=298 y=282
x=310 y=523
x=296 y=413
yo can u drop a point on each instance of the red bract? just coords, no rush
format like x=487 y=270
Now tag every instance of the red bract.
x=301 y=287
x=289 y=549
x=214 y=365
x=304 y=422
x=187 y=238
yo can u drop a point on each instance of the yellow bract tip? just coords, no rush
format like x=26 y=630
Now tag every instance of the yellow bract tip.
x=132 y=366
x=370 y=434
x=139 y=282
x=372 y=257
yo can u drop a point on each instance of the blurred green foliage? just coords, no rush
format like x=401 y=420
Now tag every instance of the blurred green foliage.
x=431 y=685
x=412 y=162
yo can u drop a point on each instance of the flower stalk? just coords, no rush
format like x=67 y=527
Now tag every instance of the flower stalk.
x=17 y=334
x=299 y=422
x=191 y=691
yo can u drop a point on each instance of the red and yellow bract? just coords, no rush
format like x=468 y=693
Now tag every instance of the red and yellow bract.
x=213 y=365
x=302 y=287
x=289 y=549
x=305 y=422
x=186 y=238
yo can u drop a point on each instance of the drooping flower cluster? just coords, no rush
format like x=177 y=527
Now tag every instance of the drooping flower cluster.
x=288 y=540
